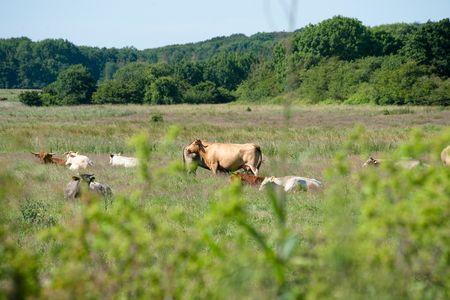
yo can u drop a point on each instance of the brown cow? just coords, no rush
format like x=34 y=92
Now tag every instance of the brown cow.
x=247 y=179
x=58 y=161
x=47 y=158
x=224 y=157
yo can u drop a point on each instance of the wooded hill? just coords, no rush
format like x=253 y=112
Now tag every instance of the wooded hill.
x=337 y=60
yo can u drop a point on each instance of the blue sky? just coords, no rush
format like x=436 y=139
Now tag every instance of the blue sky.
x=149 y=24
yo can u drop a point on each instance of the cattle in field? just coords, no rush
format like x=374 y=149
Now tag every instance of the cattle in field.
x=445 y=156
x=58 y=161
x=191 y=160
x=72 y=190
x=119 y=160
x=292 y=183
x=48 y=158
x=77 y=161
x=403 y=163
x=247 y=179
x=45 y=157
x=221 y=157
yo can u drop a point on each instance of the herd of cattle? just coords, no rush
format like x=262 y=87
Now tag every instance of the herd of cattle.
x=216 y=157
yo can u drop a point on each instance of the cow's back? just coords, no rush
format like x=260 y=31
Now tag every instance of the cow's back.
x=232 y=156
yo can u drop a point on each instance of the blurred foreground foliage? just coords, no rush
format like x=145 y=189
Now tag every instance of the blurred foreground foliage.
x=385 y=235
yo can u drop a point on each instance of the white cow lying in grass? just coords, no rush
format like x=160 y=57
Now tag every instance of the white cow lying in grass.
x=402 y=163
x=119 y=160
x=77 y=161
x=291 y=183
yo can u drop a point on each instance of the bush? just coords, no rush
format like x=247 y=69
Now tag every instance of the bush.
x=73 y=86
x=156 y=118
x=163 y=90
x=386 y=234
x=32 y=98
x=207 y=92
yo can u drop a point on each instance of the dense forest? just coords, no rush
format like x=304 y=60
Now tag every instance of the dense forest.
x=337 y=60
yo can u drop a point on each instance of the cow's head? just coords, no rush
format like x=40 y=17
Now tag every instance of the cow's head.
x=371 y=162
x=266 y=180
x=87 y=177
x=43 y=156
x=70 y=154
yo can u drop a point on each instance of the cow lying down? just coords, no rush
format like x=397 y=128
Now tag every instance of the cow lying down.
x=77 y=161
x=292 y=183
x=119 y=160
x=48 y=158
x=402 y=163
x=247 y=179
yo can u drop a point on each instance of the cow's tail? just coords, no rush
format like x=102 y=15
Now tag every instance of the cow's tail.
x=258 y=150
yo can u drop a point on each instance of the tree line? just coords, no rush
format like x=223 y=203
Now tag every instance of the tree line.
x=337 y=60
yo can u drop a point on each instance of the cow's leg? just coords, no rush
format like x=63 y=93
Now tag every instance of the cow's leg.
x=214 y=167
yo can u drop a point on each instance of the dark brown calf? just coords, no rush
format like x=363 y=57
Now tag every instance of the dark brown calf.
x=47 y=158
x=59 y=161
x=247 y=179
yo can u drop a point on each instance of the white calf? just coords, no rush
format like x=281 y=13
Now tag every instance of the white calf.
x=290 y=183
x=118 y=160
x=77 y=161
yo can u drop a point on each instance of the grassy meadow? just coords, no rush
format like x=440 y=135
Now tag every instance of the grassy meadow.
x=303 y=141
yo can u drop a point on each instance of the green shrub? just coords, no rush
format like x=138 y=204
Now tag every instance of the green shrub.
x=156 y=117
x=386 y=232
x=32 y=98
x=35 y=212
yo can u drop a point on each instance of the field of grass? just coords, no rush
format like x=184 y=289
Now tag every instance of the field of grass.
x=11 y=94
x=303 y=144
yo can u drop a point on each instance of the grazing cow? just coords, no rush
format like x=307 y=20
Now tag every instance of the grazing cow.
x=219 y=157
x=247 y=179
x=95 y=186
x=192 y=160
x=72 y=190
x=403 y=163
x=291 y=183
x=445 y=156
x=119 y=160
x=77 y=161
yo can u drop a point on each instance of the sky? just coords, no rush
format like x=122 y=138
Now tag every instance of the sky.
x=150 y=24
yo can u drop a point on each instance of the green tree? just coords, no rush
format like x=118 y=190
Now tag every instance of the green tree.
x=128 y=85
x=346 y=38
x=164 y=90
x=207 y=92
x=74 y=85
x=430 y=45
x=32 y=98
